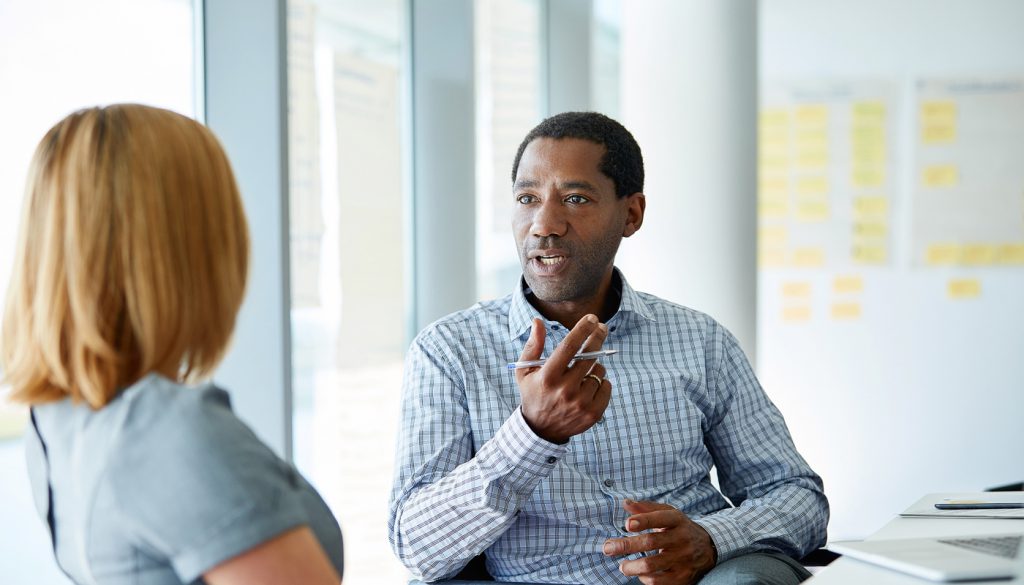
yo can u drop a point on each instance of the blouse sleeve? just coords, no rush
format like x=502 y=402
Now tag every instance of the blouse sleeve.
x=196 y=485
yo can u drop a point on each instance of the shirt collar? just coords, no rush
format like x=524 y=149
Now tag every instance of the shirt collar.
x=521 y=313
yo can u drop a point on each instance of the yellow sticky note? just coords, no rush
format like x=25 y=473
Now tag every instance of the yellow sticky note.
x=811 y=211
x=937 y=176
x=773 y=162
x=772 y=235
x=774 y=117
x=870 y=254
x=845 y=311
x=1010 y=254
x=799 y=289
x=772 y=208
x=771 y=257
x=772 y=186
x=873 y=205
x=813 y=138
x=942 y=254
x=812 y=185
x=869 y=110
x=868 y=155
x=847 y=285
x=964 y=288
x=812 y=115
x=938 y=112
x=870 y=229
x=773 y=140
x=978 y=255
x=796 y=314
x=867 y=135
x=808 y=257
x=867 y=177
x=938 y=133
x=812 y=159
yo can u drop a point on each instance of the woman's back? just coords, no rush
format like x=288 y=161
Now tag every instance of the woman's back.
x=162 y=484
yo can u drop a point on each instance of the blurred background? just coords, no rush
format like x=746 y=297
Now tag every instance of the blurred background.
x=840 y=183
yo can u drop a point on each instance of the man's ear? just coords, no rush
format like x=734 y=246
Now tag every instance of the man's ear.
x=635 y=206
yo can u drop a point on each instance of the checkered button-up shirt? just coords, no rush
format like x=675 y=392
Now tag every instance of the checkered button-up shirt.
x=471 y=476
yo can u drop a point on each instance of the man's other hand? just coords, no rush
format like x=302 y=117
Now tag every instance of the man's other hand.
x=680 y=551
x=560 y=400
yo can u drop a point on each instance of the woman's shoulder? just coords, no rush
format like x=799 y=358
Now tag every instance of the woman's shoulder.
x=181 y=425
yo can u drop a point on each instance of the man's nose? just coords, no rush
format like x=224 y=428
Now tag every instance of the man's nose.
x=549 y=219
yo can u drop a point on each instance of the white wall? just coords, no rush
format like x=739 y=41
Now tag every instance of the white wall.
x=922 y=393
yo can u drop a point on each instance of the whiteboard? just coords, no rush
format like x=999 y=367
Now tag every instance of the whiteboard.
x=899 y=365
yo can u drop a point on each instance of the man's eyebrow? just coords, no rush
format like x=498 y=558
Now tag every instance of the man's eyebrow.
x=577 y=185
x=525 y=184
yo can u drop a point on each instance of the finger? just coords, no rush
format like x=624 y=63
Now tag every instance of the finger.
x=534 y=347
x=570 y=346
x=603 y=396
x=645 y=566
x=657 y=519
x=641 y=506
x=650 y=541
x=593 y=343
x=596 y=339
x=597 y=369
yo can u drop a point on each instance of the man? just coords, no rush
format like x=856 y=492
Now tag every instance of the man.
x=586 y=472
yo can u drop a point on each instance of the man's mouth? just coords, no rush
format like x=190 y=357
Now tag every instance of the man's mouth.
x=550 y=260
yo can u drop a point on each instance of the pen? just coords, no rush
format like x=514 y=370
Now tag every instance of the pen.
x=580 y=356
x=961 y=505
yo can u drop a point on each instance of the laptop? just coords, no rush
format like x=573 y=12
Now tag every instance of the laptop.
x=960 y=558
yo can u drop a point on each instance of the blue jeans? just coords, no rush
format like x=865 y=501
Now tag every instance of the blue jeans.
x=749 y=569
x=754 y=569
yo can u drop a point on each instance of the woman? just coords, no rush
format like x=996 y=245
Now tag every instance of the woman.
x=130 y=269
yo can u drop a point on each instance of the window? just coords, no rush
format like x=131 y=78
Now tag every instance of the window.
x=347 y=263
x=57 y=56
x=509 y=70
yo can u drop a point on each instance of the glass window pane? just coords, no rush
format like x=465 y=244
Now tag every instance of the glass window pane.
x=57 y=56
x=347 y=263
x=509 y=69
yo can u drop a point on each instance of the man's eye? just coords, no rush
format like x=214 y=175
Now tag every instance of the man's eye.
x=525 y=199
x=576 y=199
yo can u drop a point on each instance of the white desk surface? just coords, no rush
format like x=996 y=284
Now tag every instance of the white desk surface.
x=846 y=571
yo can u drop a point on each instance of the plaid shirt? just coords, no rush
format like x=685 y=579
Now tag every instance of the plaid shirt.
x=471 y=476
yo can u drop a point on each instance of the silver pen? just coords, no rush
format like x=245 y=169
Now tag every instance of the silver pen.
x=589 y=355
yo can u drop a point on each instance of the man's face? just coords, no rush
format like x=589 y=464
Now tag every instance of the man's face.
x=567 y=220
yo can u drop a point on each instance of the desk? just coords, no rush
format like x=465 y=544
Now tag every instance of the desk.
x=847 y=571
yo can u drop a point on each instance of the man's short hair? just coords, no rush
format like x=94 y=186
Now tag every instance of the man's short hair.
x=622 y=161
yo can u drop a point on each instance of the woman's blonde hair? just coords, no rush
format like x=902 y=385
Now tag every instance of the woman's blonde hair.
x=132 y=257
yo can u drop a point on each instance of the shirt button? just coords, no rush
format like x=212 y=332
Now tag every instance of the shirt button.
x=552 y=460
x=608 y=483
x=600 y=421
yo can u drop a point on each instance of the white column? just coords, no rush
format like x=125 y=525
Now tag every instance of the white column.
x=246 y=108
x=567 y=26
x=443 y=158
x=689 y=96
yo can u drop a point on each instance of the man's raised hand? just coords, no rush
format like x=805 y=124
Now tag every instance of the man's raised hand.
x=560 y=400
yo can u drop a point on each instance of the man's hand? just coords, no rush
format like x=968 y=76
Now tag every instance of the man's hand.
x=684 y=549
x=560 y=401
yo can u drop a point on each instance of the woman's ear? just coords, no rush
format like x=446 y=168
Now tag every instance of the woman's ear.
x=635 y=206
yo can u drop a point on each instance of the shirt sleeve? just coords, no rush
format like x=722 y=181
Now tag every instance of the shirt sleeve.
x=779 y=501
x=449 y=504
x=198 y=487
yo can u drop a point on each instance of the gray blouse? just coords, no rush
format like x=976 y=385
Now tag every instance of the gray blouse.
x=162 y=485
